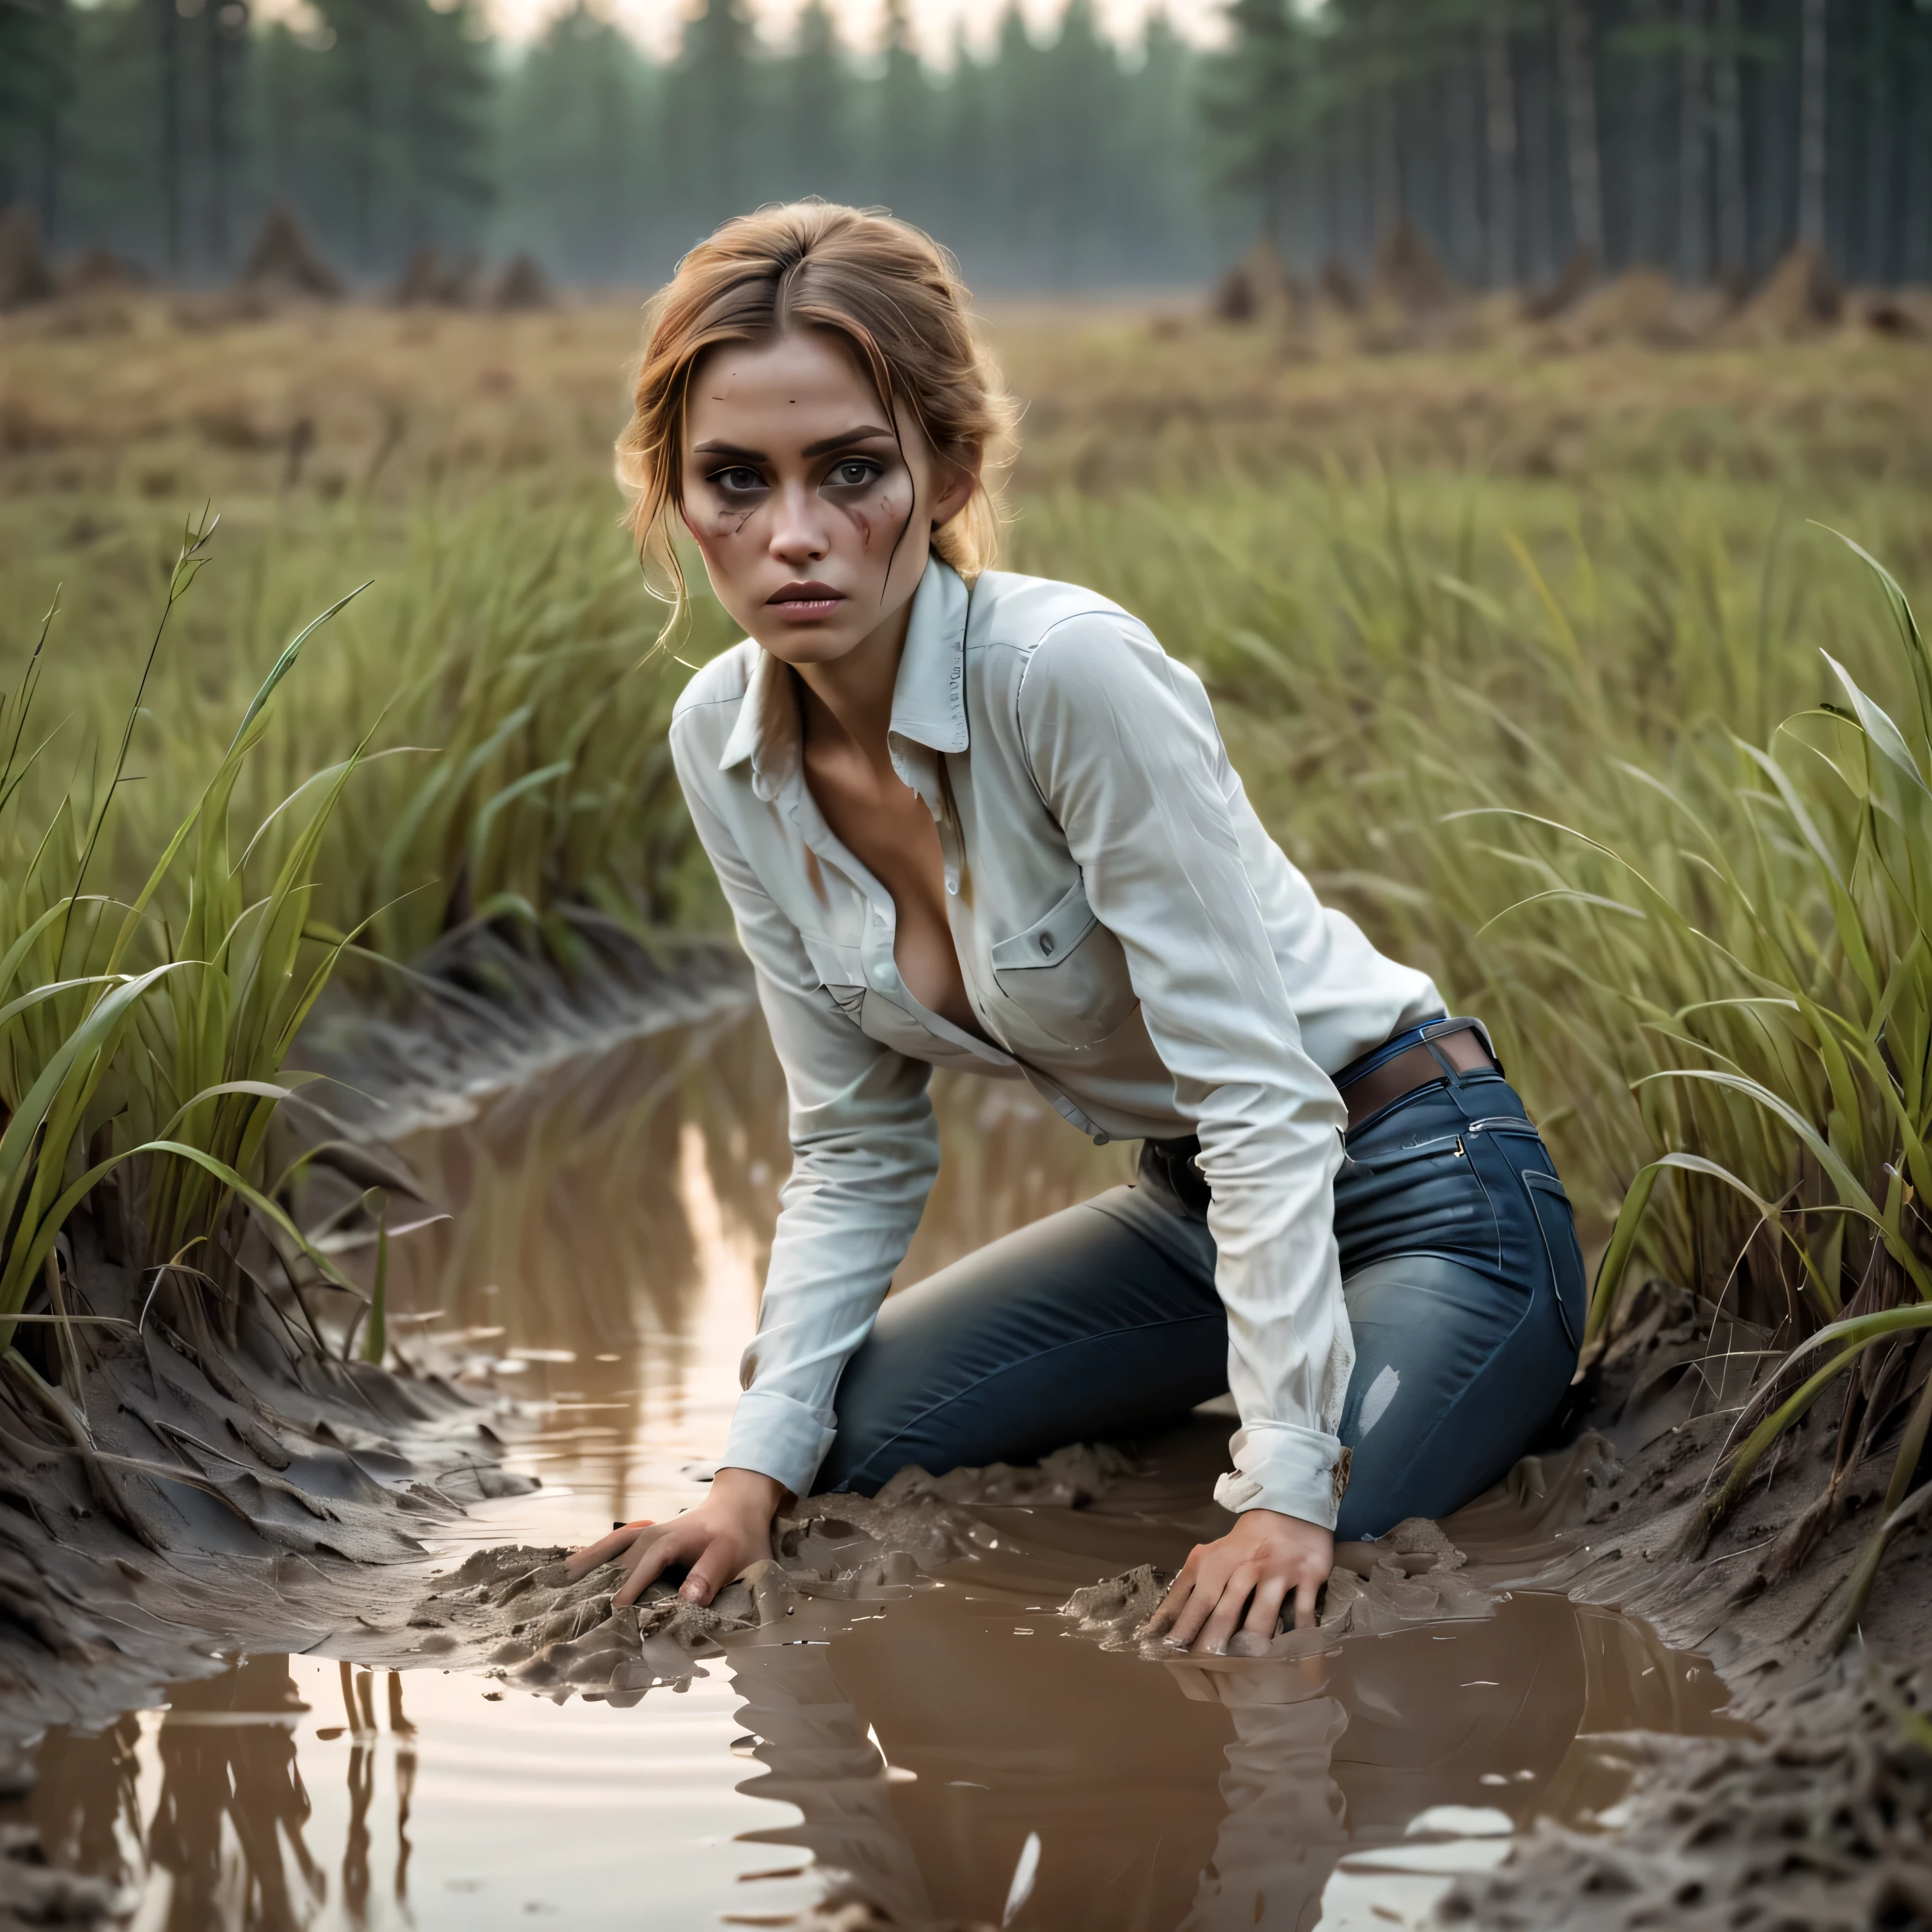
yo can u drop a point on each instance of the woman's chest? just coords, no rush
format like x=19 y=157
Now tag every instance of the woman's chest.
x=879 y=889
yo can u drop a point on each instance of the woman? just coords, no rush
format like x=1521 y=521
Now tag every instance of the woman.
x=973 y=819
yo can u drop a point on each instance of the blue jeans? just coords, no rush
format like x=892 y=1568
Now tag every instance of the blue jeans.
x=1460 y=1266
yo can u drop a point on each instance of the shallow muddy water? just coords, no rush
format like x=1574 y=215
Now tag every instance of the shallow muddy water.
x=959 y=1755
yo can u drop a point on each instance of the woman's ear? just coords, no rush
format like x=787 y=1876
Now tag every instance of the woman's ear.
x=959 y=474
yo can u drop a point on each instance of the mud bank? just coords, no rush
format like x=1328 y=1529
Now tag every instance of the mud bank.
x=487 y=1009
x=199 y=1478
x=1824 y=1820
x=196 y=1469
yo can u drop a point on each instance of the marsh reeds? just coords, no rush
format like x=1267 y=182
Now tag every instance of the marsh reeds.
x=143 y=1037
x=1704 y=944
x=1641 y=780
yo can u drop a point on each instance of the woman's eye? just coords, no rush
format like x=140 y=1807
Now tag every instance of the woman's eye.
x=855 y=474
x=737 y=480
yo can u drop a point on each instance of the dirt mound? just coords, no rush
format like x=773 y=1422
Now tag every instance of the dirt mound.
x=282 y=261
x=1799 y=299
x=522 y=285
x=99 y=271
x=1642 y=305
x=1829 y=1800
x=234 y=1476
x=25 y=276
x=429 y=281
x=1069 y=1478
x=1260 y=287
x=1903 y=314
x=1338 y=287
x=1566 y=292
x=1410 y=276
x=1832 y=1803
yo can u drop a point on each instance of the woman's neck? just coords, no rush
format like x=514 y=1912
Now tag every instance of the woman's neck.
x=851 y=696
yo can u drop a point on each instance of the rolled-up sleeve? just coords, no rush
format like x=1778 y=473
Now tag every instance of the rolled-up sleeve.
x=865 y=1149
x=1122 y=742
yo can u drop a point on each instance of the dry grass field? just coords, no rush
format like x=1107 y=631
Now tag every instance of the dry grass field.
x=132 y=401
x=1423 y=569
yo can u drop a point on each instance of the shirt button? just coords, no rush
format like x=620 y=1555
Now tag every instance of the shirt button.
x=952 y=883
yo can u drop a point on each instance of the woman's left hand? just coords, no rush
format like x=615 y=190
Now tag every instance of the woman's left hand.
x=1241 y=1582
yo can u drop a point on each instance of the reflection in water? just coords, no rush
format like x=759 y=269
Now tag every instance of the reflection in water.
x=571 y=1227
x=220 y=1838
x=925 y=1745
x=610 y=1225
x=954 y=1755
x=1284 y=1830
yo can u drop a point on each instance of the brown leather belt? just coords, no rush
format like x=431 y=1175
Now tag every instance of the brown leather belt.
x=1416 y=1066
x=1171 y=1167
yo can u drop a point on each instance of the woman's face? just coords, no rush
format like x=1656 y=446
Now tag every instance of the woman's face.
x=813 y=519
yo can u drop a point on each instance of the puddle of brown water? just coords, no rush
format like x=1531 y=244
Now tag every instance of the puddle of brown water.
x=958 y=1755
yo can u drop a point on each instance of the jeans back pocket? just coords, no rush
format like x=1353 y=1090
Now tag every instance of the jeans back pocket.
x=1556 y=1220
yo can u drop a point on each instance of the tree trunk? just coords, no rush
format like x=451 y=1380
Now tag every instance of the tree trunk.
x=1499 y=117
x=1579 y=118
x=1878 y=265
x=1646 y=182
x=1694 y=248
x=222 y=51
x=1388 y=185
x=1463 y=169
x=169 y=24
x=1915 y=197
x=1733 y=209
x=362 y=165
x=1811 y=128
x=51 y=158
x=1536 y=168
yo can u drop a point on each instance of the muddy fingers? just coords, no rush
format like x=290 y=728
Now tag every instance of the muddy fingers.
x=1263 y=1558
x=580 y=1563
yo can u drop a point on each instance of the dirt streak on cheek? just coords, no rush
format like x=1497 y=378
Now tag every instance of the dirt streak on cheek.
x=883 y=511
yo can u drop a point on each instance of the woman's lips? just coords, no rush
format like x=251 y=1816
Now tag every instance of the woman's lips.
x=804 y=603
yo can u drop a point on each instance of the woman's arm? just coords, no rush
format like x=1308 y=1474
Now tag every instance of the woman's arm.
x=1123 y=744
x=865 y=1151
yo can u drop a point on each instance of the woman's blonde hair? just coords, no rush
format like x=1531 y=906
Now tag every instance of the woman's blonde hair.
x=891 y=291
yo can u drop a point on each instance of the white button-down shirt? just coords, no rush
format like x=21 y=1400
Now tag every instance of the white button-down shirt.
x=1140 y=948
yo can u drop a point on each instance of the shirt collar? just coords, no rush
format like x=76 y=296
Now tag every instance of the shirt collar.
x=928 y=696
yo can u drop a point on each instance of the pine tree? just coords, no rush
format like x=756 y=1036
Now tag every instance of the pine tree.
x=37 y=83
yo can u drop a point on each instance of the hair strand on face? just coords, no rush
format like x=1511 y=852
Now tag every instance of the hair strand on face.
x=895 y=297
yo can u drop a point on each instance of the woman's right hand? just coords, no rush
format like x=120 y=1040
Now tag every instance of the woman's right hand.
x=727 y=1533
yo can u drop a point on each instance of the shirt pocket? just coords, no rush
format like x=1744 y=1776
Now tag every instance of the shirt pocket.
x=1065 y=973
x=841 y=970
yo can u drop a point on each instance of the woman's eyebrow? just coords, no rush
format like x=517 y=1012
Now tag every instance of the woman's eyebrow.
x=730 y=449
x=867 y=434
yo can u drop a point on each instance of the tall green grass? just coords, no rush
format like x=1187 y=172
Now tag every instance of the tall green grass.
x=143 y=1030
x=1702 y=930
x=1643 y=780
x=498 y=673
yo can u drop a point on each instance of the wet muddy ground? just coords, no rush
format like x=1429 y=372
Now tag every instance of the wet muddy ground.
x=957 y=1755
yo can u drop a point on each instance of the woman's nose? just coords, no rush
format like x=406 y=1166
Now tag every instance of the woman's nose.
x=798 y=531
